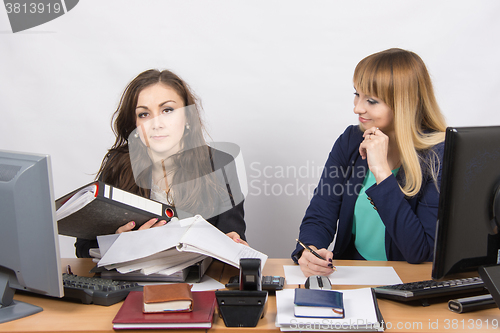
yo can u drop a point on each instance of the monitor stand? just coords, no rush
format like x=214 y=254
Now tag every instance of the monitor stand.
x=491 y=279
x=11 y=309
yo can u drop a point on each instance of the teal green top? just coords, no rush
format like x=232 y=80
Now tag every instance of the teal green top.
x=368 y=228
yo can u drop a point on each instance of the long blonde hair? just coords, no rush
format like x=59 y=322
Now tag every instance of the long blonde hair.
x=400 y=79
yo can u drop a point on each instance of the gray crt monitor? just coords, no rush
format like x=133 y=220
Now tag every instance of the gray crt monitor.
x=29 y=245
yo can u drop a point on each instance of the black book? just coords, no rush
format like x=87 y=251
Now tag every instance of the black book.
x=99 y=209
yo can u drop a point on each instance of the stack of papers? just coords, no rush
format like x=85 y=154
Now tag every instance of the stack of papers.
x=171 y=248
x=360 y=309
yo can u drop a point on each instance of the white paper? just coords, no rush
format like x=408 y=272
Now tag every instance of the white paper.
x=349 y=275
x=104 y=242
x=172 y=269
x=359 y=309
x=206 y=283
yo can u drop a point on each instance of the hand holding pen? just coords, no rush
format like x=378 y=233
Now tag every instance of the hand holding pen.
x=315 y=262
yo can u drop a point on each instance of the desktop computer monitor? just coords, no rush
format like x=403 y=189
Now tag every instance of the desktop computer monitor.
x=29 y=246
x=469 y=204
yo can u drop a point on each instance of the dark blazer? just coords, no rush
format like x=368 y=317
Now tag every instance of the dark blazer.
x=229 y=213
x=410 y=222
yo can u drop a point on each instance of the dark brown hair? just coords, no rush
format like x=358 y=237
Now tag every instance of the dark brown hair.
x=192 y=162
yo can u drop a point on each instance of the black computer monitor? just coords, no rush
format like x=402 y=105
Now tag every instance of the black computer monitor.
x=29 y=246
x=469 y=204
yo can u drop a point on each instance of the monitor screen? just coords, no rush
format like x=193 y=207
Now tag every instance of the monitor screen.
x=467 y=233
x=29 y=246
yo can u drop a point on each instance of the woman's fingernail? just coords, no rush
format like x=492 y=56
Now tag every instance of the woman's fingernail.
x=132 y=224
x=330 y=259
x=330 y=265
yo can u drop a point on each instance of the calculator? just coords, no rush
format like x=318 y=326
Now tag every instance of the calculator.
x=269 y=283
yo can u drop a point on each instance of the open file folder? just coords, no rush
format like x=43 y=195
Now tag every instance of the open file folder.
x=172 y=247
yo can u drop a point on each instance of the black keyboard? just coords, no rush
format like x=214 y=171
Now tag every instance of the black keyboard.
x=430 y=289
x=96 y=290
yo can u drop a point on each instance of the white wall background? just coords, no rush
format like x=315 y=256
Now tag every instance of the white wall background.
x=274 y=77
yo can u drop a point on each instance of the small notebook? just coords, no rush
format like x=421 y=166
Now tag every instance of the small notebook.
x=175 y=297
x=318 y=303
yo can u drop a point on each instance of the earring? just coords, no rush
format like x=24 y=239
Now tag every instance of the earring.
x=187 y=126
x=136 y=135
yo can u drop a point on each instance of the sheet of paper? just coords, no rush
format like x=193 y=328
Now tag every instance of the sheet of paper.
x=359 y=311
x=105 y=243
x=349 y=275
x=186 y=263
x=206 y=283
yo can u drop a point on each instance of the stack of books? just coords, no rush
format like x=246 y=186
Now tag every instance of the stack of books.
x=166 y=306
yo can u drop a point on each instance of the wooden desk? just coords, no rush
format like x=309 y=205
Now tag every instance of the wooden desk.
x=63 y=316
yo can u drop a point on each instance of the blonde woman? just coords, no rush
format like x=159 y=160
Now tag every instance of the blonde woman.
x=379 y=191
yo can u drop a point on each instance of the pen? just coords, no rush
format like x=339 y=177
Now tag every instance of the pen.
x=310 y=250
x=314 y=252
